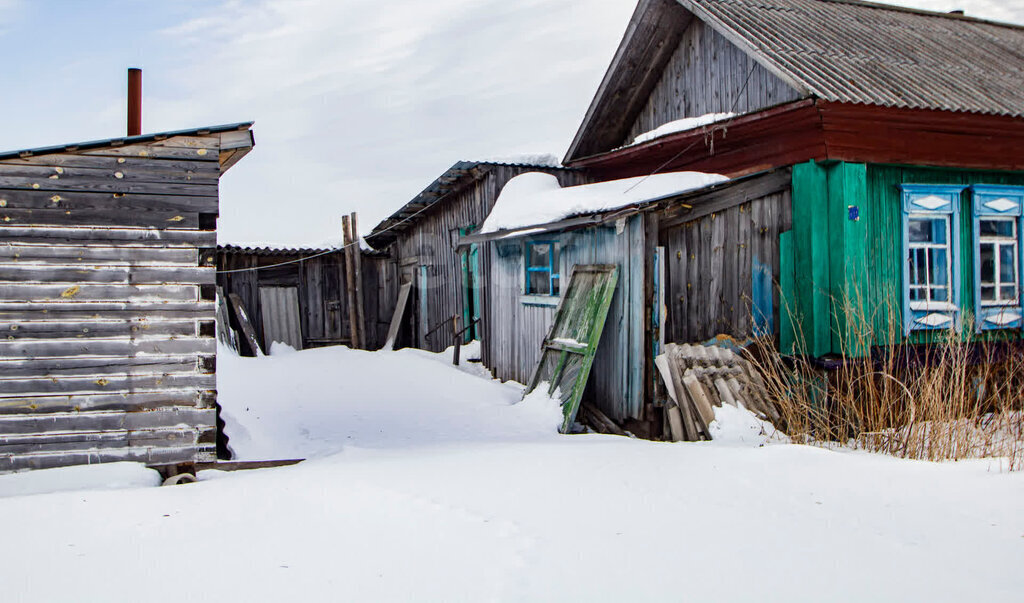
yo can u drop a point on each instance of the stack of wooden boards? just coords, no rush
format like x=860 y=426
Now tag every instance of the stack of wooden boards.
x=698 y=379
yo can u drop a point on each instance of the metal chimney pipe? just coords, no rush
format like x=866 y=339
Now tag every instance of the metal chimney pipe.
x=134 y=101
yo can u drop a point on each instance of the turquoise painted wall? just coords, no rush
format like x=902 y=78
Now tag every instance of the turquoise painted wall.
x=842 y=261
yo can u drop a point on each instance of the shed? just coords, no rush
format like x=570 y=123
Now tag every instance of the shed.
x=297 y=296
x=107 y=298
x=697 y=255
x=422 y=236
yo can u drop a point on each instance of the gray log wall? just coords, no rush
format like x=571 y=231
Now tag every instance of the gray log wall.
x=706 y=74
x=721 y=266
x=106 y=304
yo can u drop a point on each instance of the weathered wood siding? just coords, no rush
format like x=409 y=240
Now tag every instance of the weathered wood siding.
x=106 y=304
x=320 y=281
x=720 y=266
x=511 y=346
x=432 y=241
x=708 y=74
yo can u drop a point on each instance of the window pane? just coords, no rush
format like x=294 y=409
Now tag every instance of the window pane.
x=1008 y=292
x=988 y=263
x=555 y=285
x=939 y=273
x=1006 y=264
x=538 y=283
x=940 y=294
x=988 y=293
x=918 y=267
x=996 y=228
x=920 y=231
x=917 y=294
x=539 y=255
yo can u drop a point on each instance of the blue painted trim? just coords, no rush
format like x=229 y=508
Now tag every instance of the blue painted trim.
x=951 y=209
x=983 y=193
x=551 y=269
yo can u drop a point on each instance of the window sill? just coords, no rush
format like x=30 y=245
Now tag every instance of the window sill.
x=933 y=307
x=539 y=300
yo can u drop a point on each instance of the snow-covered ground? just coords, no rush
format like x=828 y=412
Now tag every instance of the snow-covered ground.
x=426 y=483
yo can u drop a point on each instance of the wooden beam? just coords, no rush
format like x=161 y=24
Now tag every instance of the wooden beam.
x=353 y=327
x=357 y=256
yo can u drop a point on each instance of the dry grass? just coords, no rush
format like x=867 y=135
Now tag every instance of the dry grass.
x=954 y=398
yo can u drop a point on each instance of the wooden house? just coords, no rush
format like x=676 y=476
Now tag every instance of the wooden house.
x=298 y=296
x=422 y=238
x=107 y=261
x=874 y=155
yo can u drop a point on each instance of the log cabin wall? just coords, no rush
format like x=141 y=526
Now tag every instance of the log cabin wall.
x=429 y=244
x=709 y=74
x=320 y=289
x=107 y=300
x=722 y=268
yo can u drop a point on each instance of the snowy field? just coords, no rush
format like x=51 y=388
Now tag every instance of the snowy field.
x=427 y=483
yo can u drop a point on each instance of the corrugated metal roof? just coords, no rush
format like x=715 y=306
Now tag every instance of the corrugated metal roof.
x=125 y=140
x=388 y=230
x=860 y=52
x=270 y=250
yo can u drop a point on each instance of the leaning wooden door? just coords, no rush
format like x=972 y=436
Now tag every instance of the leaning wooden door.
x=568 y=351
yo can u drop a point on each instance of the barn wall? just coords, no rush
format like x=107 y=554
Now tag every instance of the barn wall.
x=321 y=283
x=707 y=74
x=106 y=303
x=431 y=242
x=517 y=328
x=721 y=266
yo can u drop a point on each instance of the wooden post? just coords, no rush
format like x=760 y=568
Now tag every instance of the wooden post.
x=357 y=255
x=456 y=339
x=353 y=319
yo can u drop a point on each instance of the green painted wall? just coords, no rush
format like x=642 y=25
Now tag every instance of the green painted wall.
x=842 y=273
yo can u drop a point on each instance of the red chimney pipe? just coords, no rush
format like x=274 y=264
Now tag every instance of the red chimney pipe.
x=134 y=101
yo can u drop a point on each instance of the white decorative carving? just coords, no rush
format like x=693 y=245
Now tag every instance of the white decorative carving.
x=931 y=202
x=1003 y=318
x=1001 y=204
x=934 y=320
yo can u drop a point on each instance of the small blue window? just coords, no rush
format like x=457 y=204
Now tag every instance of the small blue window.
x=997 y=256
x=931 y=272
x=542 y=268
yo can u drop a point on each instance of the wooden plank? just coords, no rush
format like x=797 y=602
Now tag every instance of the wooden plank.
x=64 y=367
x=350 y=284
x=97 y=329
x=357 y=263
x=109 y=236
x=63 y=310
x=135 y=275
x=100 y=217
x=122 y=401
x=152 y=456
x=111 y=185
x=156 y=152
x=90 y=292
x=73 y=200
x=396 y=319
x=75 y=423
x=243 y=321
x=151 y=172
x=105 y=384
x=55 y=255
x=105 y=347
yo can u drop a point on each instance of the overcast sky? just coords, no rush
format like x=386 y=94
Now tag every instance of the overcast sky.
x=359 y=104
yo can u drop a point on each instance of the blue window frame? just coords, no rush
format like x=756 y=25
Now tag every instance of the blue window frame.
x=931 y=243
x=542 y=277
x=997 y=256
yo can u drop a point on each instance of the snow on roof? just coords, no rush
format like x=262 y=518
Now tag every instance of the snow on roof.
x=536 y=198
x=681 y=125
x=533 y=159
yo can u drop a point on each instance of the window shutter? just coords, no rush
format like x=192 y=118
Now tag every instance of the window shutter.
x=997 y=201
x=925 y=201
